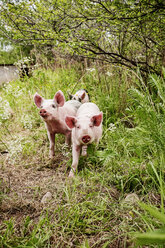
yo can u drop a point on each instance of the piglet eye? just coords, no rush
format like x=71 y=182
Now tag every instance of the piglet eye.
x=53 y=106
x=90 y=125
x=78 y=127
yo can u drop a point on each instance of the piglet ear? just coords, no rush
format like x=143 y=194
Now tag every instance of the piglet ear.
x=38 y=100
x=83 y=96
x=59 y=98
x=97 y=119
x=70 y=121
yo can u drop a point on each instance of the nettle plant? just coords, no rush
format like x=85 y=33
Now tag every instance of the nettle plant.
x=15 y=148
x=13 y=90
x=24 y=66
x=5 y=110
x=27 y=121
x=23 y=63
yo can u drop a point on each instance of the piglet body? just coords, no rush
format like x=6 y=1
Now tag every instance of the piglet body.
x=86 y=129
x=53 y=112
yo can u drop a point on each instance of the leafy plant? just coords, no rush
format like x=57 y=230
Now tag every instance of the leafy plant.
x=156 y=236
x=107 y=30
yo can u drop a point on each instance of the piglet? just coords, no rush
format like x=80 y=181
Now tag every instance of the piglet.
x=81 y=96
x=86 y=129
x=53 y=112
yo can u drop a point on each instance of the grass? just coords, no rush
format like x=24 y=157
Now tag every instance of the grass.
x=91 y=210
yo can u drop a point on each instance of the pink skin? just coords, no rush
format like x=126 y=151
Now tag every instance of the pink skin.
x=86 y=129
x=53 y=112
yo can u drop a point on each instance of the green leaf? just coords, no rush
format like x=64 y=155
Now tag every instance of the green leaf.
x=157 y=237
x=154 y=212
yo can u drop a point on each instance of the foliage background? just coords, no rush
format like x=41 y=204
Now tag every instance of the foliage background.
x=129 y=33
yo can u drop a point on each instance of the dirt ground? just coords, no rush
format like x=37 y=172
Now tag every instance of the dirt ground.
x=23 y=188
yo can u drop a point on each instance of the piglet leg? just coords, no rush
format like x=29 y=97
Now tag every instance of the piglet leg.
x=84 y=151
x=68 y=138
x=75 y=159
x=51 y=137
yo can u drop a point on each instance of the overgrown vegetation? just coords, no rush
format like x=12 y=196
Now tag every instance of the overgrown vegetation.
x=10 y=53
x=128 y=33
x=99 y=207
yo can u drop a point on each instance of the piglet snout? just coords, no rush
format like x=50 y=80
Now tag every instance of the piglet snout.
x=43 y=113
x=86 y=139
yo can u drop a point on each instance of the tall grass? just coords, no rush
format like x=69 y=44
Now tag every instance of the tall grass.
x=89 y=211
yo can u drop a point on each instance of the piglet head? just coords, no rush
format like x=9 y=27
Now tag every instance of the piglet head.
x=48 y=107
x=80 y=95
x=88 y=132
x=85 y=131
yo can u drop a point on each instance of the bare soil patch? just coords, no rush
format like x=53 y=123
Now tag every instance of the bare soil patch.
x=23 y=188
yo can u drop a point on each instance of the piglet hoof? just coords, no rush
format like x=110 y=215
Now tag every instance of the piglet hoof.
x=51 y=155
x=84 y=153
x=68 y=141
x=67 y=144
x=71 y=174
